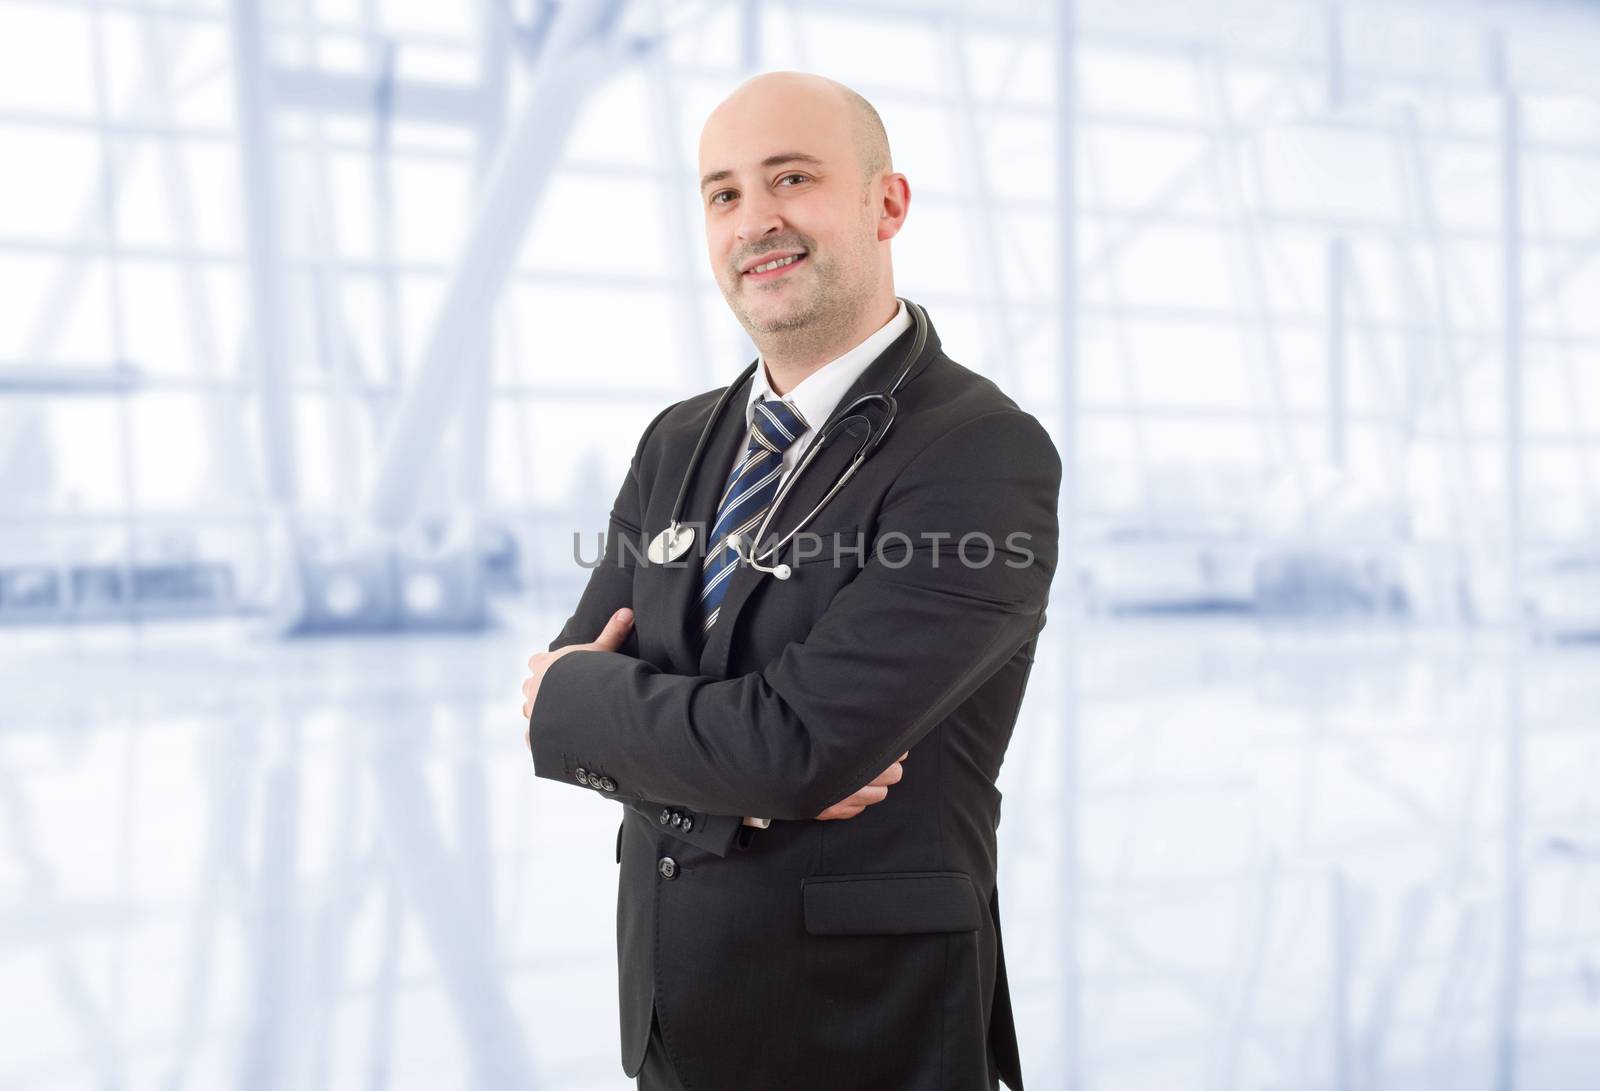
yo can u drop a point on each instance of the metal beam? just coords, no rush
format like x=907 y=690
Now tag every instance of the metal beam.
x=583 y=53
x=229 y=468
x=1337 y=256
x=984 y=229
x=334 y=351
x=54 y=377
x=472 y=432
x=1228 y=169
x=1065 y=599
x=327 y=94
x=1508 y=997
x=679 y=191
x=258 y=162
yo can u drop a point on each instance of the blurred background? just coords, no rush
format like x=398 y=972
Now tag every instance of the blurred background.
x=324 y=325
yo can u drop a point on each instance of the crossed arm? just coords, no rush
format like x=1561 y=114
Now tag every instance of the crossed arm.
x=901 y=645
x=611 y=638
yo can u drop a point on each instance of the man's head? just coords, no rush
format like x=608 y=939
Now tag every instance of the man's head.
x=797 y=165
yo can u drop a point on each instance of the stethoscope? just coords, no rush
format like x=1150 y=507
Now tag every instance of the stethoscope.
x=676 y=539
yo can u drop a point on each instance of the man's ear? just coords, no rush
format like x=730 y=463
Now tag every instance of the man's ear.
x=896 y=203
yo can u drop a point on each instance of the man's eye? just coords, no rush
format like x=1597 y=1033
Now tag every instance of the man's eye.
x=721 y=193
x=788 y=176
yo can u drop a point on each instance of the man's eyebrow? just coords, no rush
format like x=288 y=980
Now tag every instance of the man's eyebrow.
x=769 y=161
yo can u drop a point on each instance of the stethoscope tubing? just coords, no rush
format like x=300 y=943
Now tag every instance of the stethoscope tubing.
x=874 y=439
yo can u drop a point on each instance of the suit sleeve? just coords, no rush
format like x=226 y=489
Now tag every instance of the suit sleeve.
x=609 y=589
x=900 y=646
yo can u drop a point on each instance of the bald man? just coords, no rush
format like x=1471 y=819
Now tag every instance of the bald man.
x=806 y=756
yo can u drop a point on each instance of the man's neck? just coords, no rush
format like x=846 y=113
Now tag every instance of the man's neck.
x=798 y=356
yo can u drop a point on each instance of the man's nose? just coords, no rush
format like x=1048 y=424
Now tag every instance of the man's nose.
x=758 y=218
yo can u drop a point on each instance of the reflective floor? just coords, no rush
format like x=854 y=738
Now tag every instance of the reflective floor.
x=1276 y=857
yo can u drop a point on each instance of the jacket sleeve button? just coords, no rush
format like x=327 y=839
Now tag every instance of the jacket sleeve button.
x=664 y=817
x=688 y=823
x=607 y=783
x=582 y=775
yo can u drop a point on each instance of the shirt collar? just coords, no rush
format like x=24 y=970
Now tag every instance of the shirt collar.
x=818 y=393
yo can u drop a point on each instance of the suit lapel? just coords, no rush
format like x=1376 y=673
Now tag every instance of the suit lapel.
x=811 y=486
x=700 y=507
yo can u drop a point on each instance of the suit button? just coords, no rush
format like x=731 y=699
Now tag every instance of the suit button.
x=688 y=823
x=677 y=821
x=665 y=817
x=607 y=783
x=582 y=774
x=668 y=867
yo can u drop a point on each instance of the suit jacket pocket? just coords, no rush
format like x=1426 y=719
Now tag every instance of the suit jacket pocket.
x=898 y=903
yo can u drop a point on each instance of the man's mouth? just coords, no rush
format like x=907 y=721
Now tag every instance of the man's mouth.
x=775 y=268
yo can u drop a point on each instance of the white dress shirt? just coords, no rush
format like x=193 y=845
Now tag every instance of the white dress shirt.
x=818 y=393
x=816 y=396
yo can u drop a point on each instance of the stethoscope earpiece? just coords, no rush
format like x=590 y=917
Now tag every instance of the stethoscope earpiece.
x=745 y=547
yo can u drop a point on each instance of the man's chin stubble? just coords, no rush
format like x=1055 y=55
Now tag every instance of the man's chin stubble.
x=796 y=318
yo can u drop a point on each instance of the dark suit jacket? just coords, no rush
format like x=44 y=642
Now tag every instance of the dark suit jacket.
x=860 y=953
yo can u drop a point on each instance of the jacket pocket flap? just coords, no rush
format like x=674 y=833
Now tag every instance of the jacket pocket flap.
x=889 y=904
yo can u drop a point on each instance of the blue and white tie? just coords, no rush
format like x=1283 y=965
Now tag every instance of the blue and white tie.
x=751 y=487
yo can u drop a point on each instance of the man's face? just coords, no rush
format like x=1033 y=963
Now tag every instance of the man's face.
x=783 y=181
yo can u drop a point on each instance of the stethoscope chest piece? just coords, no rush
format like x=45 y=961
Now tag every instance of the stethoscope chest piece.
x=671 y=544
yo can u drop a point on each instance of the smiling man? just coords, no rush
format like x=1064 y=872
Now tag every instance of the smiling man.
x=806 y=753
x=803 y=267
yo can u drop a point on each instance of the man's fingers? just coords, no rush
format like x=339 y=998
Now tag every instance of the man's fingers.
x=864 y=797
x=616 y=631
x=890 y=775
x=868 y=794
x=893 y=774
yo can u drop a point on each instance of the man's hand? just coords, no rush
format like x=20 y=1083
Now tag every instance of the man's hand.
x=609 y=640
x=867 y=795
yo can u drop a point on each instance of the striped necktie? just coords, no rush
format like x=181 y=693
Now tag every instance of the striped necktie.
x=751 y=487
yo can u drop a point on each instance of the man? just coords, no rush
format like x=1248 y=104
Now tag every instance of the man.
x=780 y=928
